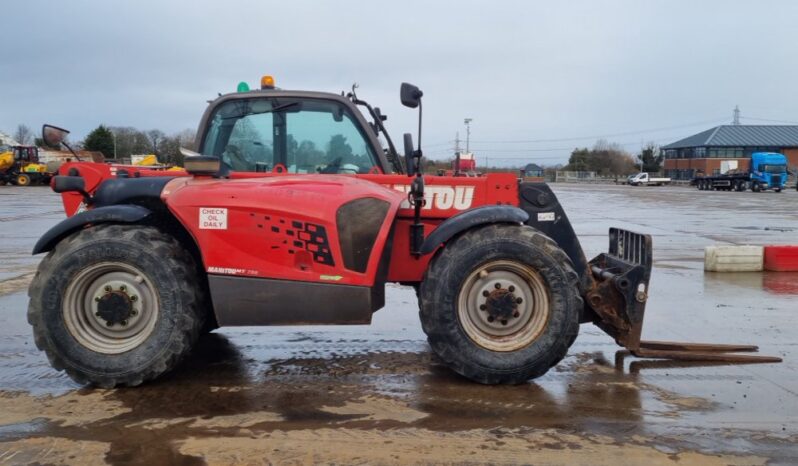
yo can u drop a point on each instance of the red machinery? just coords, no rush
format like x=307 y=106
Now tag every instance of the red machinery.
x=294 y=213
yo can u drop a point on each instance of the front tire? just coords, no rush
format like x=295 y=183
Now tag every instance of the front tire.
x=500 y=304
x=116 y=305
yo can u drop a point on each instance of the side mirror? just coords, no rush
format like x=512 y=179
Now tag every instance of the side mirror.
x=410 y=155
x=410 y=95
x=53 y=136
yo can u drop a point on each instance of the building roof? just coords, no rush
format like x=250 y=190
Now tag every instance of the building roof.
x=741 y=135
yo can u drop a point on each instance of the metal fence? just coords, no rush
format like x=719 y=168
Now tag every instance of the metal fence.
x=579 y=177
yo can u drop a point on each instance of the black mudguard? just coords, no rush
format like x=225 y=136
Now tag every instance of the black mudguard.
x=470 y=219
x=117 y=191
x=126 y=213
x=547 y=216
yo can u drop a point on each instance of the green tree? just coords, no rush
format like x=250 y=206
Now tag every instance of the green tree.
x=651 y=157
x=605 y=158
x=101 y=140
x=579 y=160
x=338 y=148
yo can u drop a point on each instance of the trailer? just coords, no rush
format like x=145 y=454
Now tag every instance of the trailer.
x=768 y=170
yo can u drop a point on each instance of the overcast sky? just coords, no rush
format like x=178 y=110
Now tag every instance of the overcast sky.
x=549 y=71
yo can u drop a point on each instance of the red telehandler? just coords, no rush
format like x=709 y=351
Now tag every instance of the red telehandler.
x=292 y=212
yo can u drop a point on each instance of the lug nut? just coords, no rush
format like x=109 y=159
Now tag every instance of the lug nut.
x=516 y=314
x=482 y=307
x=97 y=299
x=107 y=287
x=498 y=286
x=124 y=323
x=485 y=293
x=134 y=298
x=97 y=314
x=109 y=323
x=504 y=321
x=134 y=312
x=519 y=300
x=512 y=288
x=122 y=288
x=490 y=319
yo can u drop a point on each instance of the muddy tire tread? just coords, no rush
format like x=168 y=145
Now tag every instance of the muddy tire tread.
x=176 y=258
x=438 y=336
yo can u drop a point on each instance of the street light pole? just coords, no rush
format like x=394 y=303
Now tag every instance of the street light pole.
x=113 y=133
x=467 y=122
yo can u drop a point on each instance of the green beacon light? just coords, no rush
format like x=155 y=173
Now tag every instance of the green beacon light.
x=243 y=87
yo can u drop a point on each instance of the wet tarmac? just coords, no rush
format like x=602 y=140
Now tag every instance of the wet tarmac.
x=376 y=395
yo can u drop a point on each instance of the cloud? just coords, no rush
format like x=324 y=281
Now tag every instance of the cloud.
x=522 y=70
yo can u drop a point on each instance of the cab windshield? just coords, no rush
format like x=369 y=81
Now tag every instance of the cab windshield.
x=774 y=168
x=300 y=135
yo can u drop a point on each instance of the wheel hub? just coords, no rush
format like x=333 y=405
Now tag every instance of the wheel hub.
x=501 y=304
x=110 y=307
x=115 y=307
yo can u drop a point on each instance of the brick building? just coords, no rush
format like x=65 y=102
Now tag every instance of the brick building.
x=703 y=152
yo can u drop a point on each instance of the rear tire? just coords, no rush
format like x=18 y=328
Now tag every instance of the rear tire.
x=23 y=180
x=116 y=305
x=480 y=337
x=755 y=187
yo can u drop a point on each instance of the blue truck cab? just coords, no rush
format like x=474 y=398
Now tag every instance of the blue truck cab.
x=768 y=171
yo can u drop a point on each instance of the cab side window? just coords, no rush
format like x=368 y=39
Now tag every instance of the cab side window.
x=324 y=139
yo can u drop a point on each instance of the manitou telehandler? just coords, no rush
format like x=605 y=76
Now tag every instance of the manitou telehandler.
x=292 y=212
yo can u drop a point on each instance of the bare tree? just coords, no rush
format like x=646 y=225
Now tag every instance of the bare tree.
x=130 y=141
x=23 y=135
x=186 y=138
x=170 y=146
x=155 y=136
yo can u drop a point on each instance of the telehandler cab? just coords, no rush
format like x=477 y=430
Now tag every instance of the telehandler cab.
x=291 y=212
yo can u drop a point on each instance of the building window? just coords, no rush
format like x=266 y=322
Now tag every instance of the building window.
x=726 y=152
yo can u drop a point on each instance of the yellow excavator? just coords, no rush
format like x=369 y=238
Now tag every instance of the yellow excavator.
x=20 y=165
x=151 y=161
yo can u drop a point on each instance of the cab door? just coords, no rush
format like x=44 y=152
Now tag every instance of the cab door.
x=303 y=243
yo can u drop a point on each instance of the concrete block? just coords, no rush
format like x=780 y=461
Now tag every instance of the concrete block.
x=733 y=258
x=781 y=258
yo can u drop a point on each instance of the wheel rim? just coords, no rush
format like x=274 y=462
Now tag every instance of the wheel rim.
x=110 y=307
x=22 y=180
x=503 y=306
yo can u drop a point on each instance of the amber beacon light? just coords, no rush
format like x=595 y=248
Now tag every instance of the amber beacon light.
x=267 y=82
